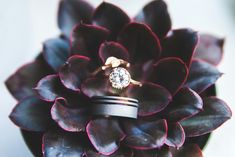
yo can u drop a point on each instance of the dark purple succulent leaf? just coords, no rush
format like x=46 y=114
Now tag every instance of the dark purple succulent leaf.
x=21 y=83
x=97 y=87
x=210 y=91
x=105 y=135
x=86 y=39
x=170 y=72
x=145 y=135
x=163 y=152
x=50 y=87
x=141 y=42
x=60 y=143
x=141 y=72
x=74 y=72
x=32 y=114
x=40 y=58
x=202 y=75
x=191 y=150
x=201 y=141
x=156 y=15
x=33 y=140
x=210 y=49
x=186 y=103
x=152 y=98
x=121 y=152
x=108 y=49
x=180 y=43
x=56 y=52
x=111 y=17
x=145 y=153
x=69 y=119
x=71 y=12
x=215 y=113
x=175 y=135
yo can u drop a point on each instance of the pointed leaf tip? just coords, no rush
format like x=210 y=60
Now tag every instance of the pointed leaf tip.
x=69 y=119
x=105 y=135
x=156 y=15
x=32 y=114
x=215 y=113
x=210 y=49
x=71 y=12
x=111 y=17
x=202 y=75
x=56 y=52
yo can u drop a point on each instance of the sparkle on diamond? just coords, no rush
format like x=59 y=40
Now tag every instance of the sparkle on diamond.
x=119 y=78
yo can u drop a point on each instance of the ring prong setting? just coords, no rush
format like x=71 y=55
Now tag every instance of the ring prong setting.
x=119 y=77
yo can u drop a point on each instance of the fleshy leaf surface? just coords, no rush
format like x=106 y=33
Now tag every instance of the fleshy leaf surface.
x=60 y=143
x=33 y=140
x=50 y=87
x=69 y=119
x=86 y=39
x=156 y=15
x=152 y=98
x=96 y=87
x=175 y=135
x=105 y=135
x=32 y=114
x=145 y=135
x=141 y=72
x=56 y=52
x=108 y=49
x=191 y=150
x=171 y=73
x=74 y=72
x=121 y=152
x=202 y=75
x=141 y=42
x=111 y=17
x=210 y=49
x=163 y=152
x=22 y=82
x=185 y=104
x=215 y=113
x=72 y=12
x=180 y=43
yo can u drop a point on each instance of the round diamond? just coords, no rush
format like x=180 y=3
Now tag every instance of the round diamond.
x=119 y=78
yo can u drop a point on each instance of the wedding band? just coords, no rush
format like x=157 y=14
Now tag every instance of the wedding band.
x=115 y=98
x=114 y=106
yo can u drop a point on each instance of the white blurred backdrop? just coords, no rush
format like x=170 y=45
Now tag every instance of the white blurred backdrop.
x=24 y=24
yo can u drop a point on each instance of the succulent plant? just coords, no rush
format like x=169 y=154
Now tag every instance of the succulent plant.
x=177 y=68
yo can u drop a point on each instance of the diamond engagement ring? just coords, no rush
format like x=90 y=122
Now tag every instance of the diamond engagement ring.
x=119 y=77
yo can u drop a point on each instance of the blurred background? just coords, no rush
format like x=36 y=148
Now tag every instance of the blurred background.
x=25 y=24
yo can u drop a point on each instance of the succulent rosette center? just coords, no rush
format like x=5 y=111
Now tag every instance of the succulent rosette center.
x=169 y=71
